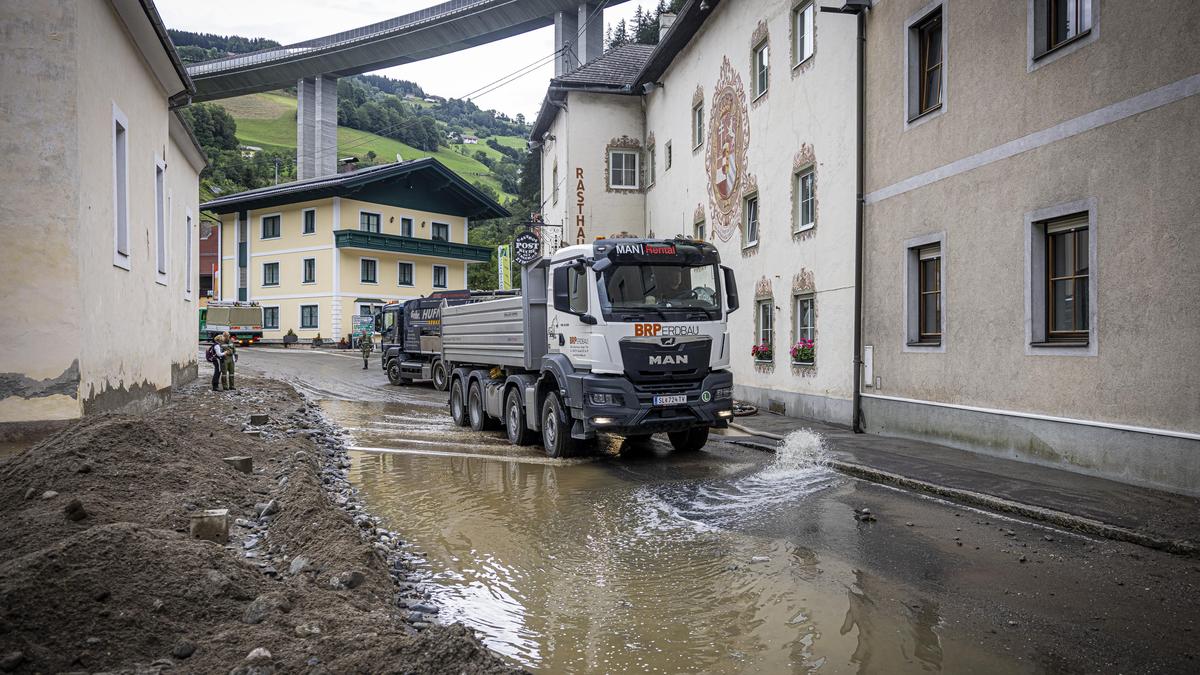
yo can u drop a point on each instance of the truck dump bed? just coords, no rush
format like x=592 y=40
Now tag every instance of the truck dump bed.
x=488 y=333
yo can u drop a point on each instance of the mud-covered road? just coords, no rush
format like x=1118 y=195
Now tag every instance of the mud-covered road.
x=734 y=560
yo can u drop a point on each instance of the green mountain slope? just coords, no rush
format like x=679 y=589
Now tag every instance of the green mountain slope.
x=268 y=121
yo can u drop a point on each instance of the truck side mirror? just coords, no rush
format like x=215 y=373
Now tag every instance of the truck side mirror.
x=731 y=294
x=379 y=322
x=562 y=288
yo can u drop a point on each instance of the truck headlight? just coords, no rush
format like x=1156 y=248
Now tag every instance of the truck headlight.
x=724 y=393
x=602 y=399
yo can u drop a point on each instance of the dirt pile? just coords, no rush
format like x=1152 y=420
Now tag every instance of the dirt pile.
x=98 y=572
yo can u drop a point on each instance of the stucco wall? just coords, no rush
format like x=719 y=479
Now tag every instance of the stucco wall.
x=804 y=119
x=1137 y=172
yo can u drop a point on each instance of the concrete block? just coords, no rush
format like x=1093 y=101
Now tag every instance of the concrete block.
x=259 y=419
x=211 y=525
x=243 y=464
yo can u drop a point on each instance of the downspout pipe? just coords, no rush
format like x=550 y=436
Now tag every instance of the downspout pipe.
x=859 y=8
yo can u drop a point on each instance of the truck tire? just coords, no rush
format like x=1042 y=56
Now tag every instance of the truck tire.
x=458 y=403
x=514 y=420
x=393 y=373
x=690 y=440
x=556 y=428
x=476 y=414
x=440 y=376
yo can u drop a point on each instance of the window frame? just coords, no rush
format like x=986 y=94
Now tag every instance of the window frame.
x=411 y=224
x=798 y=330
x=913 y=80
x=802 y=52
x=652 y=174
x=913 y=249
x=1038 y=28
x=1037 y=333
x=747 y=242
x=698 y=125
x=161 y=211
x=362 y=227
x=265 y=265
x=189 y=251
x=764 y=331
x=304 y=217
x=304 y=280
x=700 y=230
x=412 y=273
x=1066 y=230
x=760 y=78
x=433 y=228
x=554 y=184
x=316 y=307
x=262 y=226
x=927 y=258
x=362 y=270
x=120 y=144
x=798 y=222
x=637 y=167
x=267 y=326
x=445 y=274
x=667 y=158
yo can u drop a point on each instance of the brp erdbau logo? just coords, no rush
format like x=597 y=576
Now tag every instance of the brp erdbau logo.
x=647 y=329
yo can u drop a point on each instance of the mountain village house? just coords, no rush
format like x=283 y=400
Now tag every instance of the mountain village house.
x=315 y=252
x=98 y=212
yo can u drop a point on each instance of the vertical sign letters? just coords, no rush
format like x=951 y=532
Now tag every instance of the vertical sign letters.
x=580 y=236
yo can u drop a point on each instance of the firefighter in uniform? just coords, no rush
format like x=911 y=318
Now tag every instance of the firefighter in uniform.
x=228 y=361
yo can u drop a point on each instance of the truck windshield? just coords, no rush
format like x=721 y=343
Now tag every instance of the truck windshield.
x=629 y=291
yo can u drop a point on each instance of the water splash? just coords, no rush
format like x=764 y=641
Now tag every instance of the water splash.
x=801 y=450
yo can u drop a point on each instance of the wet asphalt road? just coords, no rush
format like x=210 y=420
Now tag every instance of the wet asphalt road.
x=734 y=560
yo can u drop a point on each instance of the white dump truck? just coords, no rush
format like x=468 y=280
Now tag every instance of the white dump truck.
x=627 y=336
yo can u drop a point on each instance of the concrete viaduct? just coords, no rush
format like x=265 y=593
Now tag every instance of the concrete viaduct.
x=314 y=66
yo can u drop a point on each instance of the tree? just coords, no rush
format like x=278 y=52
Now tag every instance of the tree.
x=620 y=35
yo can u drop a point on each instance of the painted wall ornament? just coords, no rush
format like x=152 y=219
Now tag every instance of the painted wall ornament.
x=725 y=154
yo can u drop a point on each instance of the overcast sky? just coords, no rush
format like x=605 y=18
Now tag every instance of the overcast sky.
x=453 y=75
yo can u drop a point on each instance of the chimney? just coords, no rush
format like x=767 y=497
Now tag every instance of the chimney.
x=664 y=24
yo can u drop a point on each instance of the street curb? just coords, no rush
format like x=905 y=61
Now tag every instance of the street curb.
x=1062 y=519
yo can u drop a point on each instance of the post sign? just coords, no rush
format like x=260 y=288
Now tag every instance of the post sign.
x=504 y=267
x=363 y=326
x=527 y=247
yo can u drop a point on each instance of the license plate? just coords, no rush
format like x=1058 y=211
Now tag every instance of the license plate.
x=674 y=399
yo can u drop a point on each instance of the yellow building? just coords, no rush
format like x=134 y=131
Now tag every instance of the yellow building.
x=315 y=252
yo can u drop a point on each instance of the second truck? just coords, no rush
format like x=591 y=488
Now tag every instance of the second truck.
x=627 y=336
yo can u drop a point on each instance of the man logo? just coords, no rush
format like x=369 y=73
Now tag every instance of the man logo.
x=669 y=360
x=668 y=341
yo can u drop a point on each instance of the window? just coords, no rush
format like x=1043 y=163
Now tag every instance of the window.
x=554 y=184
x=929 y=295
x=270 y=274
x=405 y=274
x=160 y=221
x=804 y=217
x=667 y=156
x=310 y=271
x=406 y=227
x=802 y=32
x=765 y=320
x=120 y=188
x=270 y=227
x=1064 y=21
x=700 y=231
x=577 y=290
x=368 y=222
x=650 y=152
x=761 y=69
x=187 y=277
x=750 y=215
x=439 y=276
x=367 y=270
x=310 y=221
x=1067 y=279
x=698 y=124
x=441 y=232
x=308 y=316
x=270 y=318
x=806 y=324
x=623 y=169
x=926 y=75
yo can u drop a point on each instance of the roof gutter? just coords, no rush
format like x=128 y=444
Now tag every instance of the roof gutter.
x=183 y=97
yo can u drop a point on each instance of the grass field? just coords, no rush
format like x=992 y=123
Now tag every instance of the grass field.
x=268 y=121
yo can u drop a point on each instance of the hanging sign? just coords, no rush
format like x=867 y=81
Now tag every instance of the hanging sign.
x=527 y=247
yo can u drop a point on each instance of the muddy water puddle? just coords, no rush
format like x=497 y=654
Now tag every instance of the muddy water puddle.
x=648 y=562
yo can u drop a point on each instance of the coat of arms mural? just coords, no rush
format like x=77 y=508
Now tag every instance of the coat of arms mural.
x=725 y=156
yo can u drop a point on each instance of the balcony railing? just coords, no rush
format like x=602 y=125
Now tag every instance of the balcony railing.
x=392 y=243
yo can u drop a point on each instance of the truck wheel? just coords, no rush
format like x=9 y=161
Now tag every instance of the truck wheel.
x=458 y=407
x=475 y=413
x=439 y=376
x=690 y=440
x=514 y=420
x=556 y=428
x=393 y=372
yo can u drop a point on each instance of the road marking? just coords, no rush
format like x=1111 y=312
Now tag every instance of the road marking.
x=498 y=458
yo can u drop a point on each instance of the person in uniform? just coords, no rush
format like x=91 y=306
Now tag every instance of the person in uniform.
x=228 y=361
x=366 y=345
x=218 y=352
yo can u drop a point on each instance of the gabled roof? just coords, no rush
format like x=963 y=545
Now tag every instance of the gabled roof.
x=614 y=71
x=434 y=180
